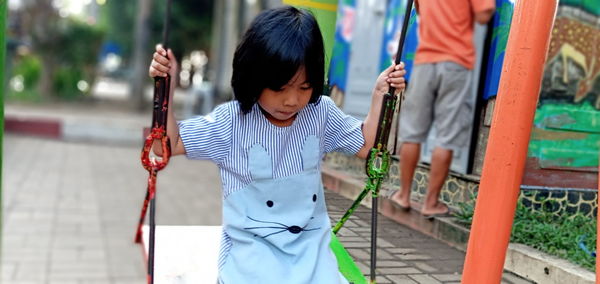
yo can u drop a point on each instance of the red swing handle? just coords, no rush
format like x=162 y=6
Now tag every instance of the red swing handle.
x=157 y=133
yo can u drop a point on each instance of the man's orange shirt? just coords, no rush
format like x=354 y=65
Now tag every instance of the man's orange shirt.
x=446 y=30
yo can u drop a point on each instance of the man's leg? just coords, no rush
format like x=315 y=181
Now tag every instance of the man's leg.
x=416 y=116
x=453 y=115
x=440 y=164
x=409 y=157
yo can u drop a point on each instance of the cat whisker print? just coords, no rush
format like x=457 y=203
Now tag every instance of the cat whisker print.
x=282 y=228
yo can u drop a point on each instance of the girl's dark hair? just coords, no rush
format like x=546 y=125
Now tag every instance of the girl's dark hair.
x=277 y=43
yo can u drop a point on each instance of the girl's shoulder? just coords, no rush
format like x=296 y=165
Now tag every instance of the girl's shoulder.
x=230 y=107
x=327 y=101
x=324 y=105
x=225 y=111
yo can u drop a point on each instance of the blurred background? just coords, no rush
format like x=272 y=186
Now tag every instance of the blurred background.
x=77 y=98
x=95 y=50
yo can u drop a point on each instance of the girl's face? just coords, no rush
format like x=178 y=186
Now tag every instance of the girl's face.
x=281 y=106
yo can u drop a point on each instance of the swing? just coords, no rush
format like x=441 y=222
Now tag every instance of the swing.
x=377 y=166
x=174 y=263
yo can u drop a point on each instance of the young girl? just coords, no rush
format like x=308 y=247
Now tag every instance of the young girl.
x=268 y=144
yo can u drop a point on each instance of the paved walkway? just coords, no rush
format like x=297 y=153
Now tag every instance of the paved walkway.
x=70 y=210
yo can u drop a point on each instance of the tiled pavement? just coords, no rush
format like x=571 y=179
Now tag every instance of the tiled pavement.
x=70 y=210
x=403 y=255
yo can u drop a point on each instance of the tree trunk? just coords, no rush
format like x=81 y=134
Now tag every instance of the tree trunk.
x=45 y=89
x=41 y=25
x=141 y=57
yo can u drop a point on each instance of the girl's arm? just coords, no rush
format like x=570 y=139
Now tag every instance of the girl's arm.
x=393 y=75
x=160 y=66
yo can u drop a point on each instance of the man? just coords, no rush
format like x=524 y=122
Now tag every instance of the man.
x=438 y=92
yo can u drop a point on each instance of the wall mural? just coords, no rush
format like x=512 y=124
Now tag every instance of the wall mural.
x=340 y=57
x=394 y=19
x=501 y=29
x=325 y=11
x=566 y=131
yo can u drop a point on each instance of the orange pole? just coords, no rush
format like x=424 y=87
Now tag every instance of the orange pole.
x=504 y=162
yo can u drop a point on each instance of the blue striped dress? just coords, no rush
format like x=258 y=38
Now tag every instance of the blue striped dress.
x=225 y=135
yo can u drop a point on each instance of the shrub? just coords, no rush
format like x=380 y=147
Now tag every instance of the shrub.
x=570 y=237
x=28 y=70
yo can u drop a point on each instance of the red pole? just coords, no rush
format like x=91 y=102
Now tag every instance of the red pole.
x=508 y=141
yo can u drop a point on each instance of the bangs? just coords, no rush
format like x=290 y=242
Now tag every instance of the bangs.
x=282 y=70
x=285 y=52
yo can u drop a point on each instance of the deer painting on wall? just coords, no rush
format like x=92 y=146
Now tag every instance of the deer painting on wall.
x=573 y=68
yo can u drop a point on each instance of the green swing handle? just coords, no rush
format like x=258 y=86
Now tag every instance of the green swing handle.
x=378 y=161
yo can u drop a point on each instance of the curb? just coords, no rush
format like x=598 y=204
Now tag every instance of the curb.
x=76 y=130
x=521 y=260
x=543 y=268
x=42 y=127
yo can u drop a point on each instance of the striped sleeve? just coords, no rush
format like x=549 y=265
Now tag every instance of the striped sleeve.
x=208 y=137
x=343 y=133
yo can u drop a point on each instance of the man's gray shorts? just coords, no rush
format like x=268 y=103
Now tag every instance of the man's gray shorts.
x=438 y=94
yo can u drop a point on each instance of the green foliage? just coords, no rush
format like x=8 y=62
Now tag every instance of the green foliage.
x=30 y=67
x=558 y=235
x=191 y=25
x=78 y=57
x=467 y=209
x=65 y=83
x=27 y=95
x=81 y=44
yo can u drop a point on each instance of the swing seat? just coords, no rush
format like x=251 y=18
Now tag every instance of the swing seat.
x=184 y=254
x=189 y=254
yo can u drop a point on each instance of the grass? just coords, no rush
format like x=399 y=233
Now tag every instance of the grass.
x=29 y=96
x=570 y=237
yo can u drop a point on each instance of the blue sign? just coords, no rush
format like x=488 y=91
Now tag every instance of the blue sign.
x=344 y=28
x=501 y=24
x=394 y=19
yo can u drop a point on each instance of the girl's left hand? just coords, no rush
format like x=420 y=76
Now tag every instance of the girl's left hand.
x=394 y=76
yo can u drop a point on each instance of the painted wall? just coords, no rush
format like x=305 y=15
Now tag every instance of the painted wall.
x=565 y=142
x=344 y=30
x=325 y=12
x=394 y=20
x=501 y=28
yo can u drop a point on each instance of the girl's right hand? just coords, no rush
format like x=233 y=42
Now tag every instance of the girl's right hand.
x=161 y=65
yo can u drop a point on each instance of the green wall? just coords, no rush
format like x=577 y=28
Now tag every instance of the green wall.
x=566 y=131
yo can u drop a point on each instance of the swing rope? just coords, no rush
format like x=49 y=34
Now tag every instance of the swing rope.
x=154 y=164
x=378 y=161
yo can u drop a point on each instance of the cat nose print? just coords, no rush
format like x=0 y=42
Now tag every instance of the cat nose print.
x=278 y=228
x=295 y=229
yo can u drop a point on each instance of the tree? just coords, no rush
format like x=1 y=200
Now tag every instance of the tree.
x=190 y=30
x=140 y=52
x=67 y=48
x=40 y=21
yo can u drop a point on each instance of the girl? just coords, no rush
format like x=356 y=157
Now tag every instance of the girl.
x=268 y=144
